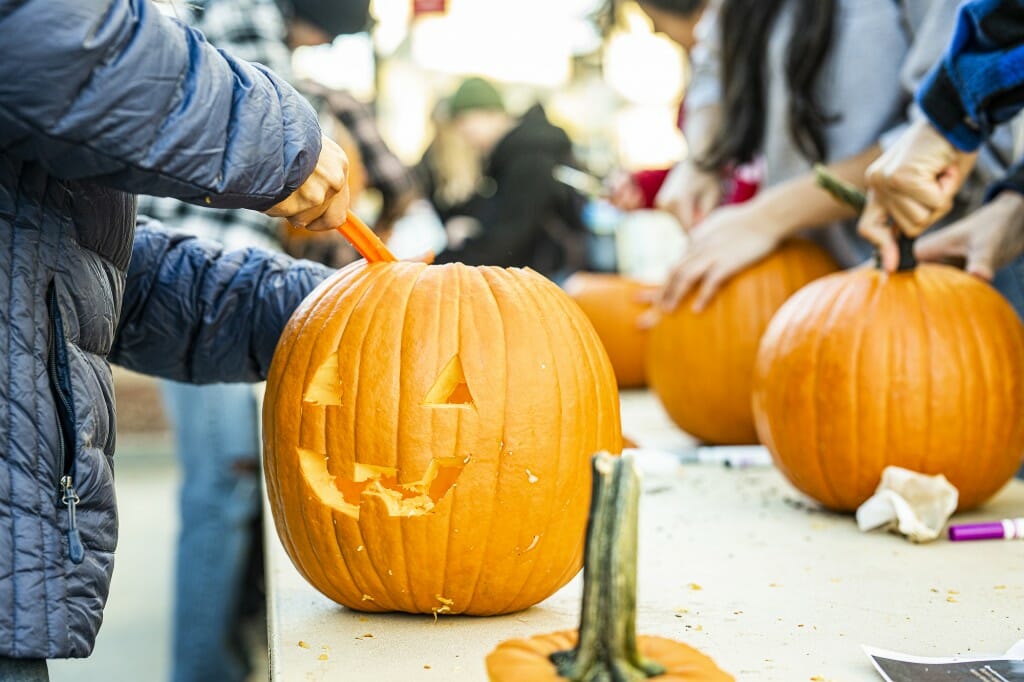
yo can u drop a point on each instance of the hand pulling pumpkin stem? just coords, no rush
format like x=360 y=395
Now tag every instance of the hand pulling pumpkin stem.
x=847 y=194
x=607 y=649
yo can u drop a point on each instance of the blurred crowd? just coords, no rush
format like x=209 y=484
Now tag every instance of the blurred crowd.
x=914 y=101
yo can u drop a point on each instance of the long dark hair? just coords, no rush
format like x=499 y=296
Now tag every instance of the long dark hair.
x=745 y=27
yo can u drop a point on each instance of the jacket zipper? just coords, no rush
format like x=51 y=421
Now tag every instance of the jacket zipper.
x=66 y=463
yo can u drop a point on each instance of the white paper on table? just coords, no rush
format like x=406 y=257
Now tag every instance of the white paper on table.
x=898 y=667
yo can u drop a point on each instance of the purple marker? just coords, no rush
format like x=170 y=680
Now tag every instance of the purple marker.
x=1007 y=529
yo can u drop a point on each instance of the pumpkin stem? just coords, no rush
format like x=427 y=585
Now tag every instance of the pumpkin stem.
x=607 y=649
x=365 y=241
x=845 y=193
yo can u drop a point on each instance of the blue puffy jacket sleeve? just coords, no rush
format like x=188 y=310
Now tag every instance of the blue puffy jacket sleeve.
x=193 y=312
x=980 y=81
x=116 y=92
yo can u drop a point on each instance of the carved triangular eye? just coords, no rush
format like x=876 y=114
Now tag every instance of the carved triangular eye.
x=450 y=389
x=325 y=386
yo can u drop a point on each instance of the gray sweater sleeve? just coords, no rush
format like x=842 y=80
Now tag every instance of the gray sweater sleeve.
x=931 y=26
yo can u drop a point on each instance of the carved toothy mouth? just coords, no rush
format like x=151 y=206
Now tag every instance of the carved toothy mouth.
x=414 y=498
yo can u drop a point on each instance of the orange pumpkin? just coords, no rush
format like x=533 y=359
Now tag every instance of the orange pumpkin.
x=922 y=369
x=606 y=646
x=701 y=364
x=610 y=301
x=427 y=437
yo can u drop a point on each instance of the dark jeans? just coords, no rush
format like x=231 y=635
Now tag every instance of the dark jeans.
x=23 y=670
x=218 y=447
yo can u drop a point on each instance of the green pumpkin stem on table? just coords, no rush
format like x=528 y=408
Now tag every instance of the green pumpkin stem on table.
x=851 y=196
x=607 y=648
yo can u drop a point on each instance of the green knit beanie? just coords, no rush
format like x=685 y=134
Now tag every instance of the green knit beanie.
x=475 y=93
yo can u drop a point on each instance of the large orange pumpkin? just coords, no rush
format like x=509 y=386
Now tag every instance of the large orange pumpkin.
x=922 y=369
x=611 y=303
x=427 y=437
x=606 y=646
x=701 y=364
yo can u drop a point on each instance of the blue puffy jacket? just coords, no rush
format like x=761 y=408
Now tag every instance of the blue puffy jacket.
x=100 y=99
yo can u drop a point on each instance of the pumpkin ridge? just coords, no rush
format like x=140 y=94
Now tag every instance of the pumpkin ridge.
x=444 y=588
x=927 y=326
x=485 y=273
x=951 y=295
x=312 y=564
x=398 y=420
x=277 y=365
x=344 y=304
x=968 y=352
x=594 y=350
x=453 y=275
x=1010 y=389
x=862 y=328
x=995 y=383
x=822 y=458
x=887 y=370
x=990 y=379
x=581 y=382
x=540 y=305
x=802 y=479
x=380 y=288
x=521 y=291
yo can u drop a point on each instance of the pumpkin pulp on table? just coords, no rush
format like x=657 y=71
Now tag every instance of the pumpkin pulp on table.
x=606 y=647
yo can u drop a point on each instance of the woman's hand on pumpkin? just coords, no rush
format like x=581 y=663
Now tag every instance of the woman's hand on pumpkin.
x=988 y=239
x=321 y=203
x=910 y=187
x=690 y=194
x=731 y=239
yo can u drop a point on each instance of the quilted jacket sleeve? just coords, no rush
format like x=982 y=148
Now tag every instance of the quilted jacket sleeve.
x=195 y=313
x=114 y=91
x=980 y=81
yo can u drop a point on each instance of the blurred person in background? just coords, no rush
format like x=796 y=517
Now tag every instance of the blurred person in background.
x=683 y=22
x=491 y=178
x=354 y=125
x=101 y=101
x=218 y=590
x=795 y=82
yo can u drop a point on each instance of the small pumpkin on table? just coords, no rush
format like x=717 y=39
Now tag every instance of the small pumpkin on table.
x=606 y=647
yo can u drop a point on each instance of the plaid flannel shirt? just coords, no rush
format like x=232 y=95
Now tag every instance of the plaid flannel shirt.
x=253 y=30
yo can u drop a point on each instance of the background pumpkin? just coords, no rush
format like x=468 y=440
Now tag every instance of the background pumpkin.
x=701 y=364
x=427 y=437
x=922 y=369
x=610 y=301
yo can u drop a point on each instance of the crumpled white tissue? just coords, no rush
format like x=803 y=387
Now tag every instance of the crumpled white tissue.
x=910 y=503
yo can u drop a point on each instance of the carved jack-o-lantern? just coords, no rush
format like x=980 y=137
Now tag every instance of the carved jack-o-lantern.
x=427 y=438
